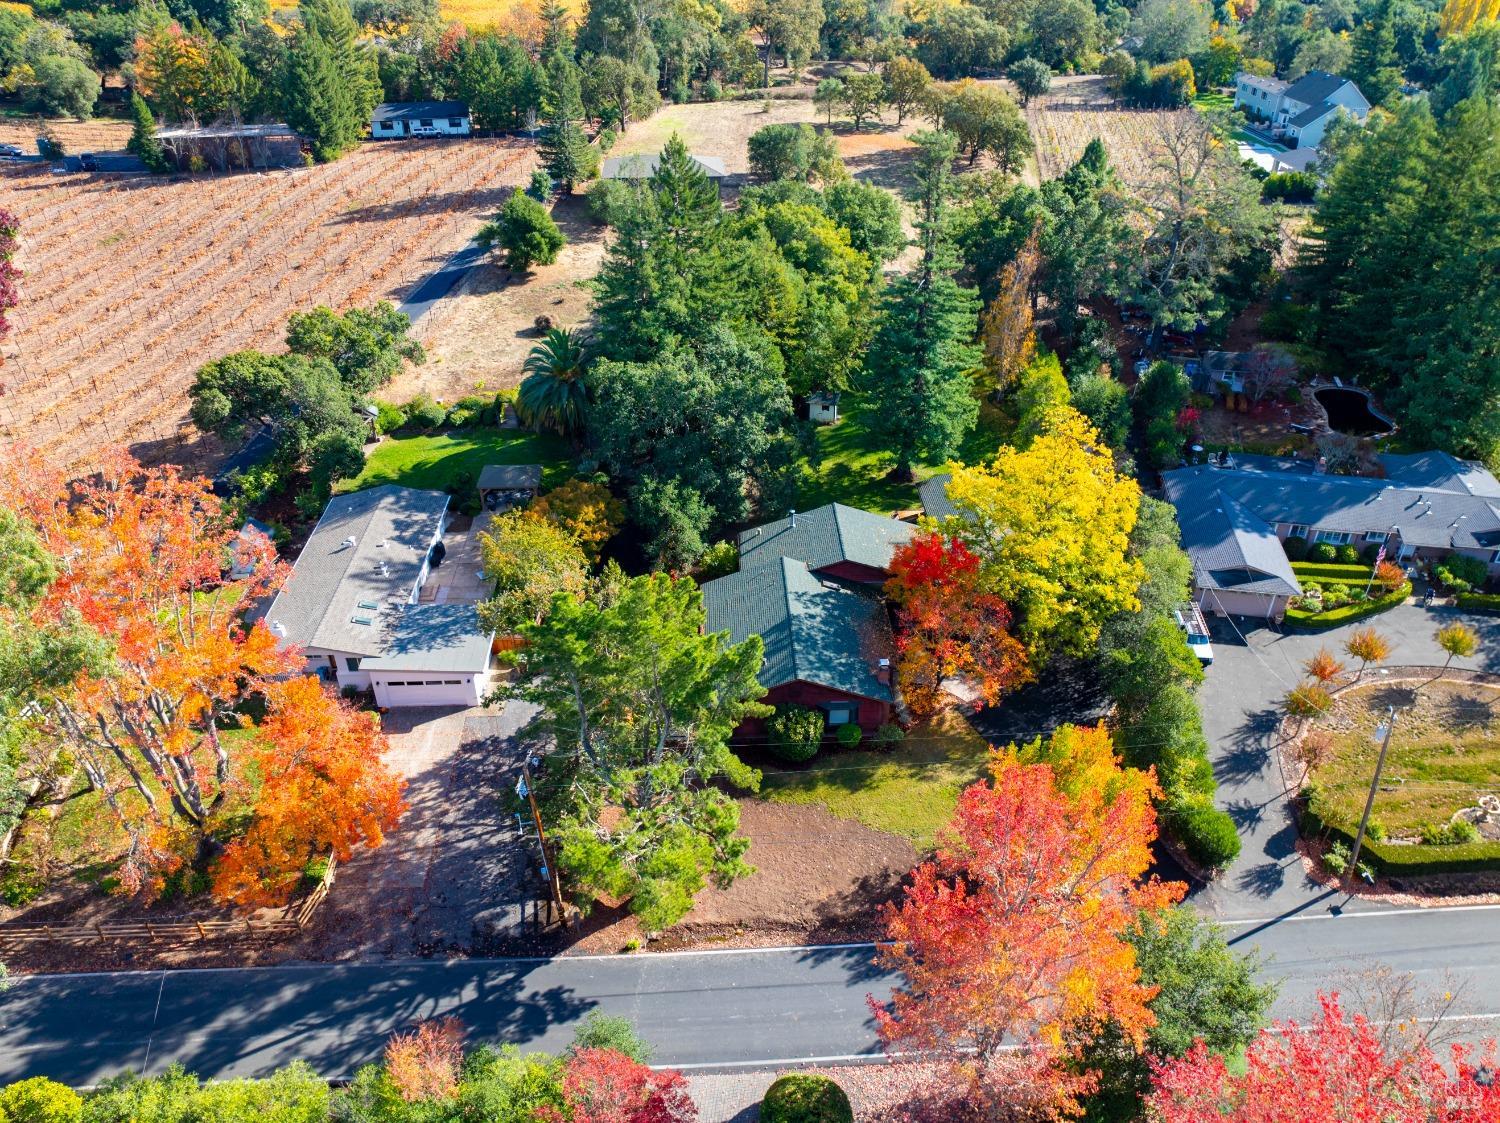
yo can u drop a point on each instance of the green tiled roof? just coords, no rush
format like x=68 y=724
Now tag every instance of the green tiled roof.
x=826 y=536
x=813 y=631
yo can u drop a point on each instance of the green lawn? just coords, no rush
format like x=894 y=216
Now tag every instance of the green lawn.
x=910 y=791
x=1213 y=100
x=852 y=472
x=442 y=460
x=1445 y=753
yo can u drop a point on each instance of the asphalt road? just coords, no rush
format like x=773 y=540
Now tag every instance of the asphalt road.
x=441 y=283
x=712 y=1010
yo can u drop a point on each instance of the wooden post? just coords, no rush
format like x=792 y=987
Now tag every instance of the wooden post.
x=202 y=935
x=541 y=840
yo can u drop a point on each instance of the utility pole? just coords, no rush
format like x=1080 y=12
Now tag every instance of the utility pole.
x=1364 y=820
x=549 y=869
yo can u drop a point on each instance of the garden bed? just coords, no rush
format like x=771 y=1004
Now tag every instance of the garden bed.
x=1444 y=756
x=1317 y=621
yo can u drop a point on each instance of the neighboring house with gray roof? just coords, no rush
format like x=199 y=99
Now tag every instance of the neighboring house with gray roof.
x=934 y=496
x=642 y=166
x=350 y=603
x=836 y=541
x=827 y=645
x=1235 y=520
x=1300 y=111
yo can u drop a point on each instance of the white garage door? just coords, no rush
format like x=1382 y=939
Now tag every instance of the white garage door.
x=432 y=690
x=1240 y=604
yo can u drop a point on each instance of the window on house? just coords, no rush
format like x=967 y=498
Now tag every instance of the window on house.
x=1299 y=530
x=425 y=124
x=352 y=663
x=1334 y=537
x=1495 y=558
x=839 y=713
x=455 y=122
x=1374 y=536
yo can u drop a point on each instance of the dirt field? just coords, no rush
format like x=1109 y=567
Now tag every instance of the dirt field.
x=480 y=335
x=132 y=283
x=1079 y=108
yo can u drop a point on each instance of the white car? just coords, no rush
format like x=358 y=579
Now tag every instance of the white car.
x=1190 y=620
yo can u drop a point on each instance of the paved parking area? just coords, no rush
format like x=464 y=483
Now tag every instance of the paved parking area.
x=1254 y=667
x=457 y=852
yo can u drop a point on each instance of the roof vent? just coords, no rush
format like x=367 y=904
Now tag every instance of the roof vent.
x=367 y=604
x=349 y=543
x=278 y=629
x=365 y=620
x=794 y=518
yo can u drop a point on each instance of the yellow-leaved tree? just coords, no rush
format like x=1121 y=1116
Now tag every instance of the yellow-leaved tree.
x=1458 y=16
x=1053 y=524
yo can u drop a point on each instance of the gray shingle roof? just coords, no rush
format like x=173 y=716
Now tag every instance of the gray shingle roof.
x=1314 y=87
x=826 y=536
x=418 y=110
x=934 y=493
x=334 y=583
x=432 y=637
x=1230 y=546
x=1311 y=114
x=814 y=631
x=643 y=166
x=1356 y=504
x=1441 y=471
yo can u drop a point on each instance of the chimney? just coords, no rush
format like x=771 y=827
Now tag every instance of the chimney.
x=883 y=672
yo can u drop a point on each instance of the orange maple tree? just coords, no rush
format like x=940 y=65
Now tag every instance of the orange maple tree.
x=1016 y=930
x=1334 y=1069
x=141 y=555
x=949 y=625
x=427 y=1063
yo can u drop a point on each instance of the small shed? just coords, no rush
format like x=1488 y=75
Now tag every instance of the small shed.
x=225 y=147
x=635 y=169
x=823 y=407
x=504 y=487
x=393 y=119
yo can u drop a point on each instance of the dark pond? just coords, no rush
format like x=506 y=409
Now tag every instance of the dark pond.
x=1349 y=412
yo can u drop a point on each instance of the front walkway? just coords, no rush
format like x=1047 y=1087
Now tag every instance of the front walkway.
x=1254 y=667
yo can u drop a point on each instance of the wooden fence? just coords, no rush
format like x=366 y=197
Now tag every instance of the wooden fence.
x=292 y=919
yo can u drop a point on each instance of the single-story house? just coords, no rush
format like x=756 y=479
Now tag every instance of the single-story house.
x=827 y=646
x=1235 y=520
x=351 y=603
x=834 y=541
x=420 y=118
x=642 y=167
x=503 y=487
x=1300 y=111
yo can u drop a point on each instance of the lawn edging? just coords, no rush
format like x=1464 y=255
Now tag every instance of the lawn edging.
x=1346 y=614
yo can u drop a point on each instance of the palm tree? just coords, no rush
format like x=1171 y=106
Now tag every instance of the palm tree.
x=553 y=394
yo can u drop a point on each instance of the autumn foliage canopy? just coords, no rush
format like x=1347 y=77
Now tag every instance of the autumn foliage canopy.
x=1017 y=929
x=140 y=560
x=1334 y=1069
x=949 y=625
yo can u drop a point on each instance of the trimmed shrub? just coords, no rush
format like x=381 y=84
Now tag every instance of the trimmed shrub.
x=1460 y=572
x=1322 y=552
x=1310 y=620
x=1479 y=602
x=388 y=417
x=802 y=1097
x=1347 y=574
x=1348 y=555
x=795 y=732
x=1405 y=859
x=849 y=736
x=1456 y=833
x=1295 y=547
x=40 y=1100
x=1206 y=833
x=889 y=735
x=424 y=414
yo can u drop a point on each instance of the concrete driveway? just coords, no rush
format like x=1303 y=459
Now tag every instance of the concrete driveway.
x=1254 y=667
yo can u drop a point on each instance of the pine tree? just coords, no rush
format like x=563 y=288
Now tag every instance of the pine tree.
x=557 y=38
x=565 y=149
x=1373 y=66
x=920 y=364
x=317 y=102
x=143 y=142
x=352 y=60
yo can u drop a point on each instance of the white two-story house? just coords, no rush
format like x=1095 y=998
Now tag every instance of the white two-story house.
x=1299 y=112
x=352 y=605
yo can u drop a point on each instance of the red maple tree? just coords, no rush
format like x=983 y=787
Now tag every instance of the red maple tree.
x=1016 y=931
x=949 y=626
x=1334 y=1069
x=606 y=1086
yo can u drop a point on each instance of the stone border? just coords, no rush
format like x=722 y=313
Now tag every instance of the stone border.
x=1311 y=849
